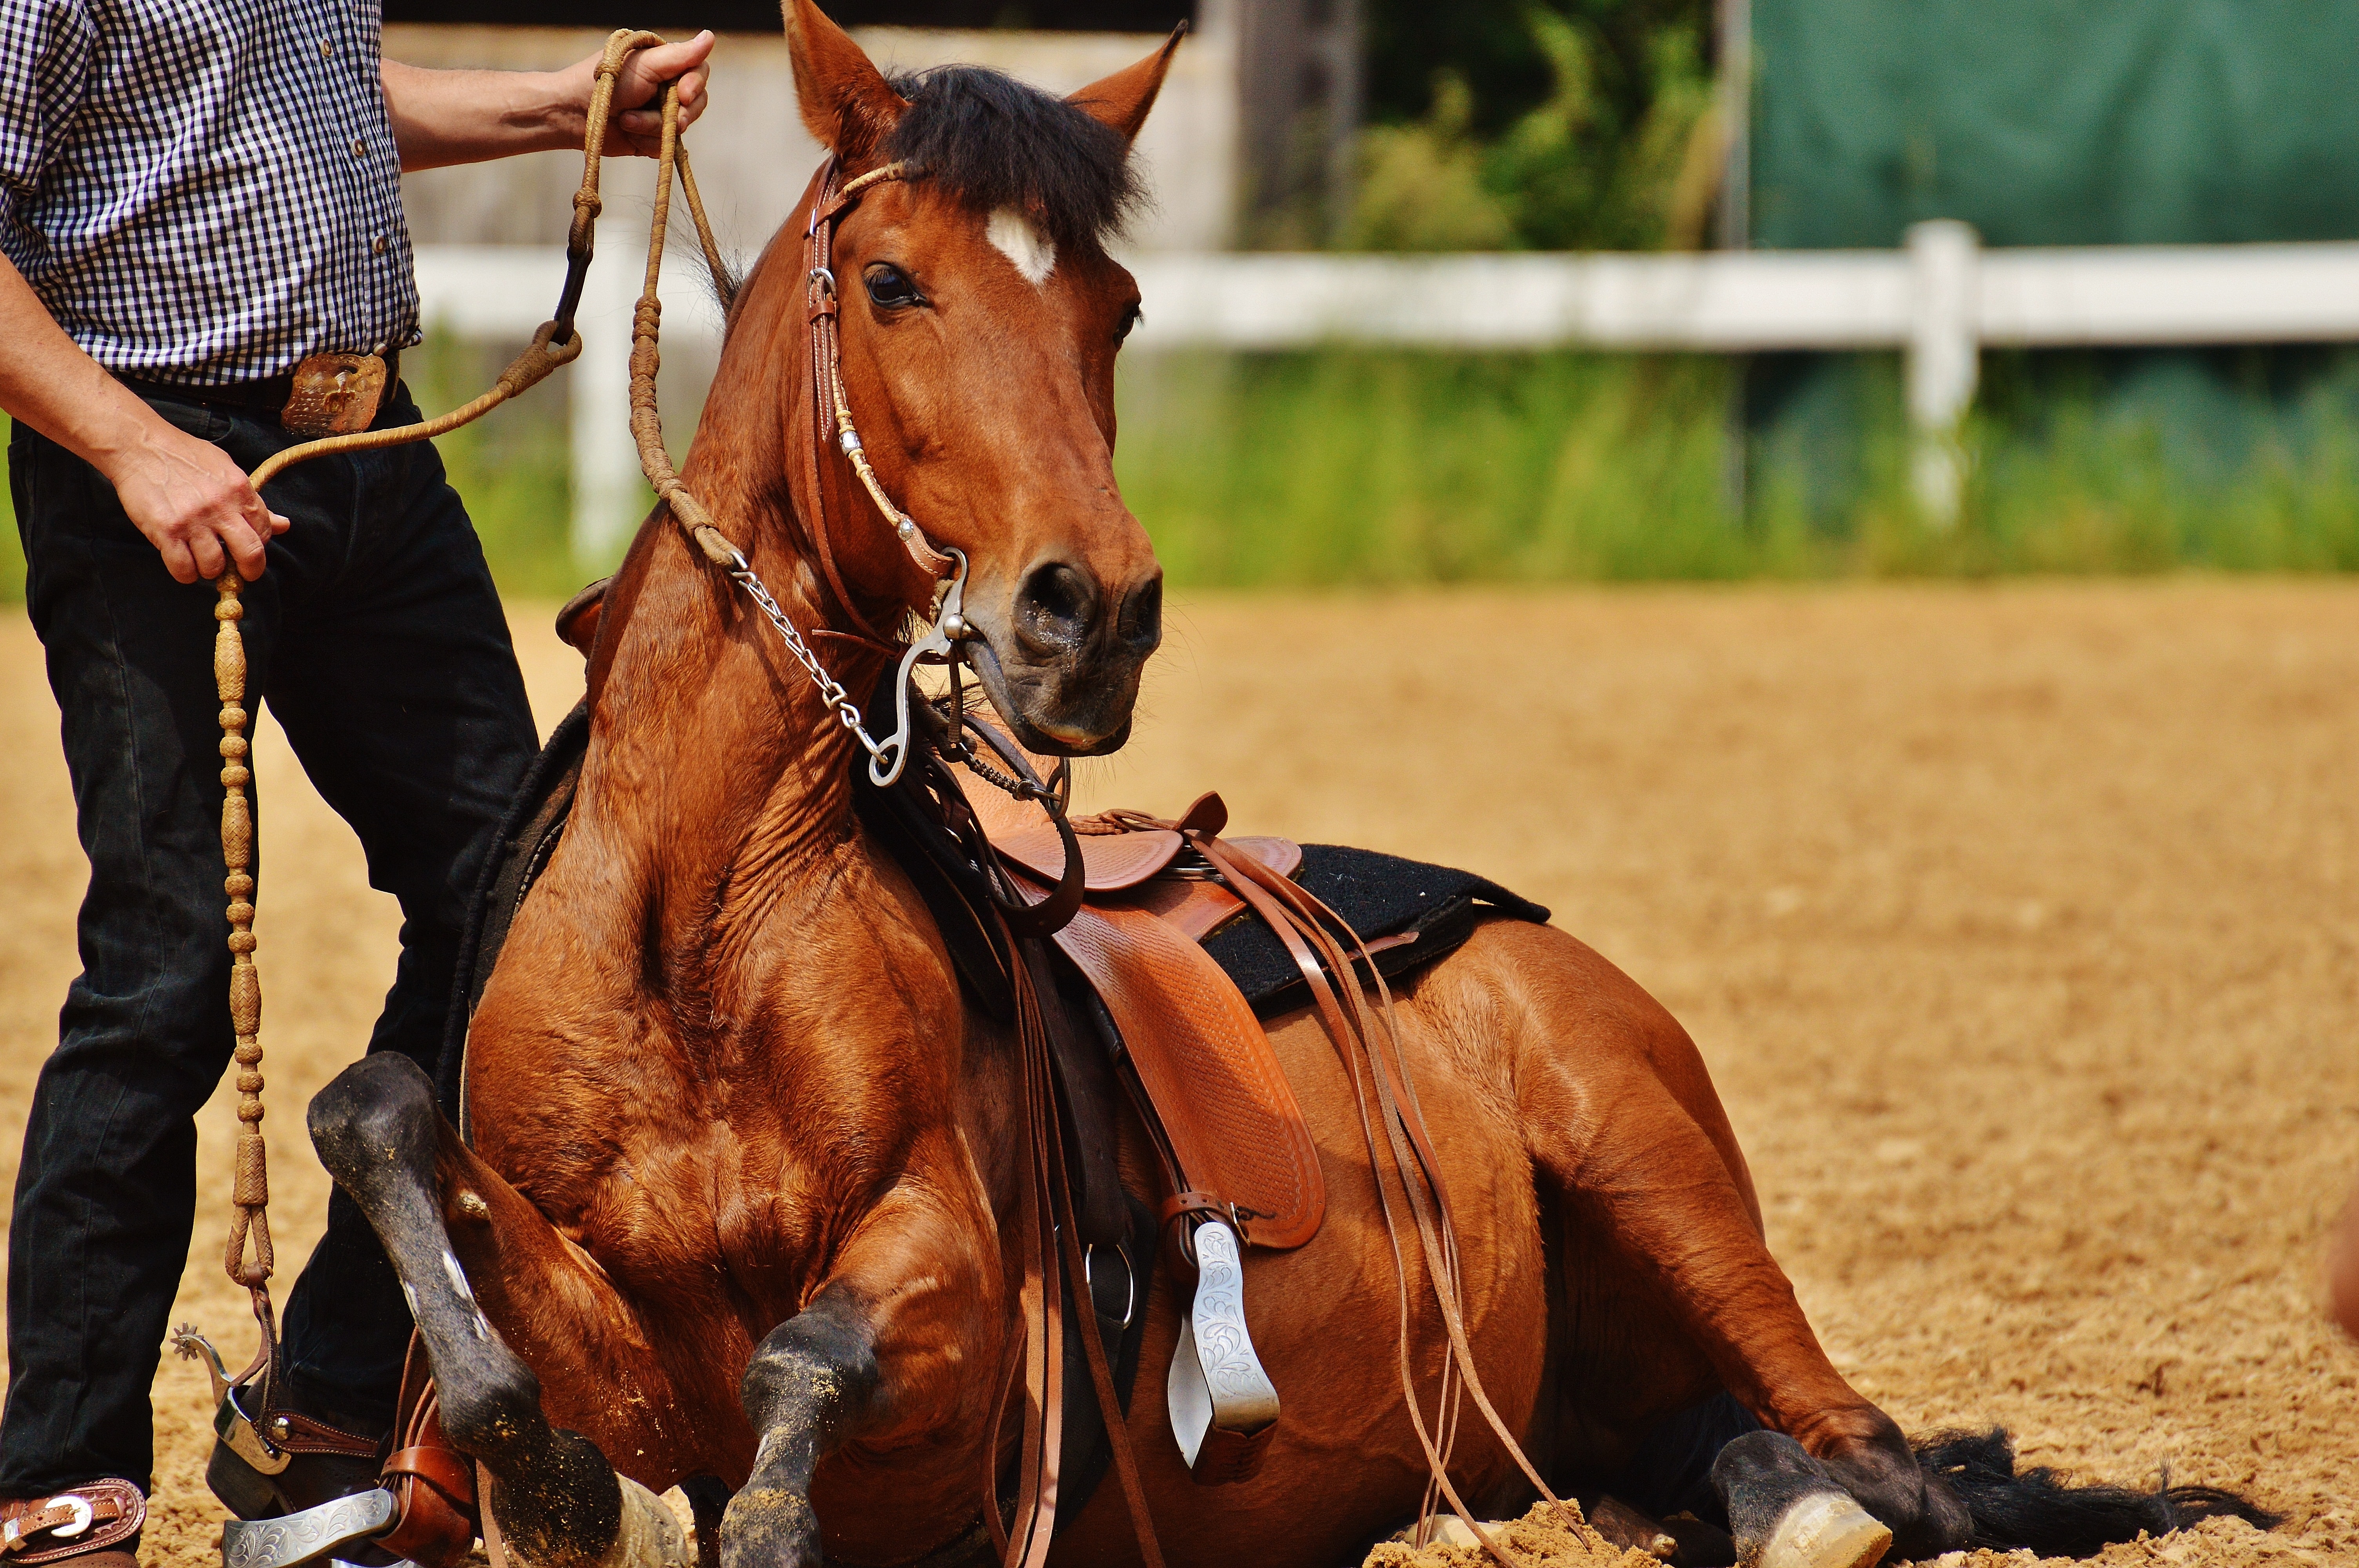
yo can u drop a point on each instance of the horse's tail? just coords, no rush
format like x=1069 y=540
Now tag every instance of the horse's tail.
x=2040 y=1509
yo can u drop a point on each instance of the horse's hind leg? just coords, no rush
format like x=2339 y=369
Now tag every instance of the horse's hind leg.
x=1621 y=1122
x=556 y=1500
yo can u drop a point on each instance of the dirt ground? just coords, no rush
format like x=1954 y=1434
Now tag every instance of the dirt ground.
x=2020 y=924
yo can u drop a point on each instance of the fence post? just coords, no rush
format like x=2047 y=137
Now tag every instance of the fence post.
x=1944 y=360
x=605 y=461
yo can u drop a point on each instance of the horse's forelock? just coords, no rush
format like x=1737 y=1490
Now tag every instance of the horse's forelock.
x=990 y=141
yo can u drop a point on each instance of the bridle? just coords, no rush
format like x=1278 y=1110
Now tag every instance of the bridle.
x=826 y=406
x=949 y=733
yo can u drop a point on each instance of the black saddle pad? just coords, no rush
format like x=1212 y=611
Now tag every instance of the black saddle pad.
x=1378 y=895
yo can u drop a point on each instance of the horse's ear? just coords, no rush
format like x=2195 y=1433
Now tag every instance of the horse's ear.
x=845 y=101
x=1121 y=101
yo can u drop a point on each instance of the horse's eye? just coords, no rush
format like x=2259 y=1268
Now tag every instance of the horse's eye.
x=890 y=287
x=1131 y=317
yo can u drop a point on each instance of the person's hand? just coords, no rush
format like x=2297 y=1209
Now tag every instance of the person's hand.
x=193 y=504
x=638 y=123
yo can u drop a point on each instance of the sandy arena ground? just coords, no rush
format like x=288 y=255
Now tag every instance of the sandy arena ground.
x=2020 y=926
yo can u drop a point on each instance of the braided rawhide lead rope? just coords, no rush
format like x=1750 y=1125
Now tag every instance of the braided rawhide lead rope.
x=249 y=1260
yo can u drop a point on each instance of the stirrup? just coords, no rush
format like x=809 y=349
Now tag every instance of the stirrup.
x=307 y=1537
x=1224 y=1406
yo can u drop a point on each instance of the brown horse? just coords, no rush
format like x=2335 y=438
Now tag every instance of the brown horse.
x=738 y=1194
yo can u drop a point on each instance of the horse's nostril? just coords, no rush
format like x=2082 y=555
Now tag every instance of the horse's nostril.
x=1056 y=605
x=1142 y=616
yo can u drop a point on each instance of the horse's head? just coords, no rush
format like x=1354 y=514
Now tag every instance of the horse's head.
x=980 y=320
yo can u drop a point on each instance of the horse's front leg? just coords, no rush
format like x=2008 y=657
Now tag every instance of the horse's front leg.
x=560 y=1503
x=893 y=1358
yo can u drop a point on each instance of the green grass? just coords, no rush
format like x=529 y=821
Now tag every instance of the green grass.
x=1341 y=467
x=509 y=466
x=1365 y=467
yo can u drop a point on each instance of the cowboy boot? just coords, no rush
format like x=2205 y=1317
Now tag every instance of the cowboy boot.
x=95 y=1524
x=313 y=1455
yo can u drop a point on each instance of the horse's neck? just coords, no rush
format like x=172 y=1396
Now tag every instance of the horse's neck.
x=712 y=743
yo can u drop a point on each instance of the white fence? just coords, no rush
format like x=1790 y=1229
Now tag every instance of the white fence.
x=1938 y=301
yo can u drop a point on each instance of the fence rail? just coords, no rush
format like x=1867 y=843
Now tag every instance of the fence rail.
x=1940 y=300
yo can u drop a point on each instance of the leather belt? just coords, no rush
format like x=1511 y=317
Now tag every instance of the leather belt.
x=266 y=395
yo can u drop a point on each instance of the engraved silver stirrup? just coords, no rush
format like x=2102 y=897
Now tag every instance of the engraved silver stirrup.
x=1223 y=1407
x=308 y=1536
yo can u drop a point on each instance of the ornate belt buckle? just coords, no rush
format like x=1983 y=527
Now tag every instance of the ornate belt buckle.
x=79 y=1514
x=334 y=395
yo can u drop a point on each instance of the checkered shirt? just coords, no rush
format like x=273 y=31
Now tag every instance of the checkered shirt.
x=204 y=192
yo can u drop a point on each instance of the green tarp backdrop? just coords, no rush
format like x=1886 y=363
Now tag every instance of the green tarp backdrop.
x=2055 y=123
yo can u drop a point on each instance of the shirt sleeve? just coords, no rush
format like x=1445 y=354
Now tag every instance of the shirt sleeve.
x=45 y=51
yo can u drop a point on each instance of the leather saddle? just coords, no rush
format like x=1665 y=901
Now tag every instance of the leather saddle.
x=1235 y=1148
x=1135 y=1002
x=1221 y=1100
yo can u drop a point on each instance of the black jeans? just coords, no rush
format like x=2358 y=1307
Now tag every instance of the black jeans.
x=376 y=639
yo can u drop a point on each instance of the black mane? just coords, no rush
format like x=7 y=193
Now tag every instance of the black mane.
x=991 y=140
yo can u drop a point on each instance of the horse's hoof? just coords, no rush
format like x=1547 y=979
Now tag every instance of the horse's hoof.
x=1825 y=1529
x=1787 y=1509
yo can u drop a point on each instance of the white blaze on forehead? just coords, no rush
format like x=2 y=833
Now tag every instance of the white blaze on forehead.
x=1020 y=240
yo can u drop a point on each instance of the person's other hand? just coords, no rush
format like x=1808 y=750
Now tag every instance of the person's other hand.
x=194 y=505
x=637 y=124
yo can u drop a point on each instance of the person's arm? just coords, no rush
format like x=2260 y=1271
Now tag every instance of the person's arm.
x=184 y=494
x=443 y=117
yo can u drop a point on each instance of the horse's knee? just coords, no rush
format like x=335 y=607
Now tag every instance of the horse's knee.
x=804 y=1387
x=377 y=1129
x=817 y=1368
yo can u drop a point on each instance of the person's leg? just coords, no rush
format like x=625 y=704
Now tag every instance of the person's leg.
x=105 y=1193
x=398 y=689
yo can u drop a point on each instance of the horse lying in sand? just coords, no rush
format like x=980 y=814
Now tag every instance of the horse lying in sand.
x=737 y=1194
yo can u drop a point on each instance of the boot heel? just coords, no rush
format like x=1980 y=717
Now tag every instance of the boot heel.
x=243 y=1491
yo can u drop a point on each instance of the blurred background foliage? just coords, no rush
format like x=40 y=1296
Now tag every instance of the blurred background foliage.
x=1383 y=468
x=1580 y=124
